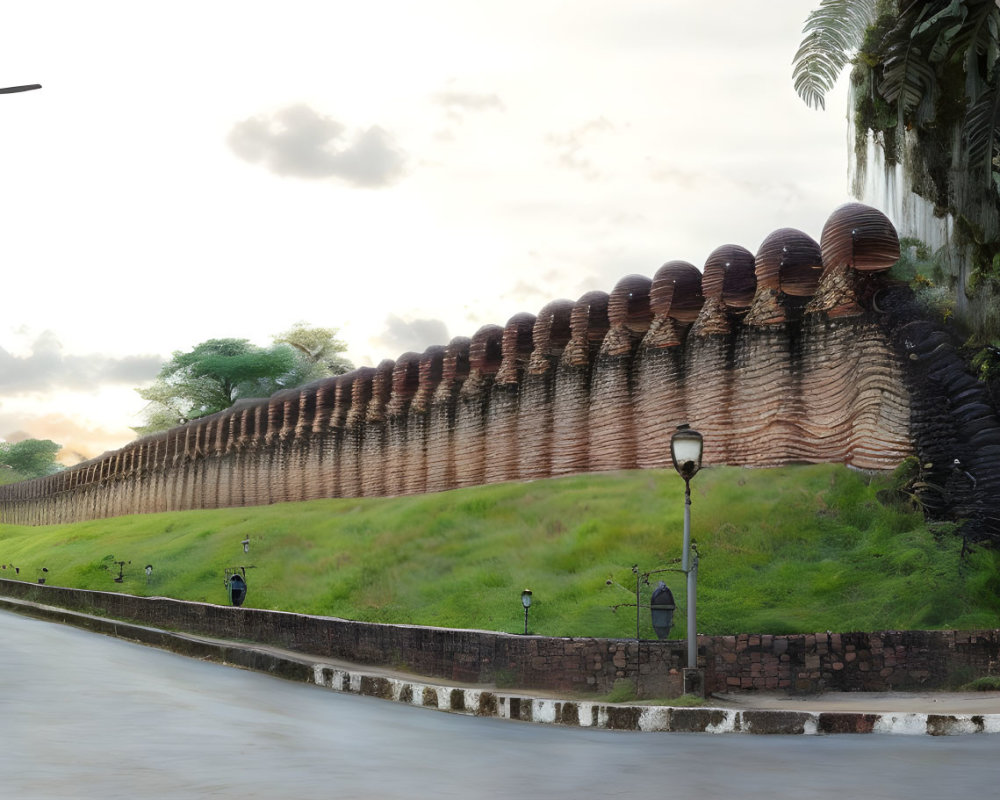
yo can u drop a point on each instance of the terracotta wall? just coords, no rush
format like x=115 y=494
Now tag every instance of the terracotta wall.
x=779 y=357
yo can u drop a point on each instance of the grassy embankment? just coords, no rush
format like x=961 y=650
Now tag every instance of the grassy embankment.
x=797 y=549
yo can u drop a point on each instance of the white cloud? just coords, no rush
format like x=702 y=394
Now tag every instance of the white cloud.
x=47 y=367
x=459 y=101
x=299 y=142
x=415 y=335
x=570 y=146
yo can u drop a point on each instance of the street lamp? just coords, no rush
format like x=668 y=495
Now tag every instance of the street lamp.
x=526 y=602
x=686 y=449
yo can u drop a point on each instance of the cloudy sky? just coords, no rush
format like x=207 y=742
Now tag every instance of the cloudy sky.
x=406 y=172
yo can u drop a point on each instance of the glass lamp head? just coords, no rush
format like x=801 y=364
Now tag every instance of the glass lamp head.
x=685 y=450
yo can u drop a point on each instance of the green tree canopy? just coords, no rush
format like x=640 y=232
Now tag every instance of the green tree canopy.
x=317 y=346
x=30 y=458
x=216 y=373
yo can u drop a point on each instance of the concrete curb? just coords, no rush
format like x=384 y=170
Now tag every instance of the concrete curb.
x=619 y=717
x=511 y=706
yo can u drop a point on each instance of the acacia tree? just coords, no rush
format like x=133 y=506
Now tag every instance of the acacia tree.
x=216 y=373
x=29 y=458
x=926 y=88
x=317 y=346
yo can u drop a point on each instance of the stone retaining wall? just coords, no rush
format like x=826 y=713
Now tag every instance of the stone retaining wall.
x=484 y=702
x=796 y=663
x=847 y=662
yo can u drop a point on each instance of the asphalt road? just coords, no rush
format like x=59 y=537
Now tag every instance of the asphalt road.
x=86 y=716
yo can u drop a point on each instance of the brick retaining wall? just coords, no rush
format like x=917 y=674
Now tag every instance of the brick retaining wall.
x=796 y=663
x=871 y=662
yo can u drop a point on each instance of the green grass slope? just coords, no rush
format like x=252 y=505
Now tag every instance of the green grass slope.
x=796 y=549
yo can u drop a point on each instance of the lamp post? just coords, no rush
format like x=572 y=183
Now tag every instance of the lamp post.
x=526 y=602
x=685 y=450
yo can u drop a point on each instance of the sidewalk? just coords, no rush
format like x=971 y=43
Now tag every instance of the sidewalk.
x=933 y=713
x=968 y=703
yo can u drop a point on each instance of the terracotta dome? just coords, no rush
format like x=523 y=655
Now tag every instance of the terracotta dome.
x=791 y=261
x=628 y=304
x=677 y=291
x=861 y=237
x=589 y=320
x=551 y=332
x=486 y=350
x=730 y=276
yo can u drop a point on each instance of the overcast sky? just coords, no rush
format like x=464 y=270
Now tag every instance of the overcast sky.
x=406 y=172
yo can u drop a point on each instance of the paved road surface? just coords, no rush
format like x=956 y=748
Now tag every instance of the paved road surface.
x=85 y=716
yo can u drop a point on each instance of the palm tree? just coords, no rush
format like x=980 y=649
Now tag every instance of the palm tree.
x=833 y=34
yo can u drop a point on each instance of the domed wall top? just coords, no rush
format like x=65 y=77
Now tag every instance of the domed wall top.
x=861 y=237
x=589 y=320
x=486 y=350
x=730 y=276
x=552 y=331
x=628 y=304
x=456 y=360
x=790 y=261
x=677 y=291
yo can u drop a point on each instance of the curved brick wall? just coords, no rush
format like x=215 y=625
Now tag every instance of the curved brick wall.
x=782 y=357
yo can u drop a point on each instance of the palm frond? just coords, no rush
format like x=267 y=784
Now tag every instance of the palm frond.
x=978 y=43
x=908 y=79
x=981 y=134
x=833 y=33
x=948 y=22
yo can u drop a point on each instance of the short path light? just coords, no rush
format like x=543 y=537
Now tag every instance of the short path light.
x=661 y=610
x=685 y=449
x=661 y=602
x=236 y=584
x=526 y=602
x=246 y=545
